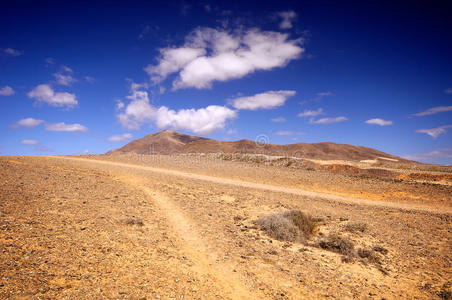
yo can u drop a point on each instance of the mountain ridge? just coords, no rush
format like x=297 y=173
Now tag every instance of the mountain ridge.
x=173 y=142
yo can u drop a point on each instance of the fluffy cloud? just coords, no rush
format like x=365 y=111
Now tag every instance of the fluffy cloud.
x=267 y=100
x=448 y=91
x=64 y=76
x=65 y=127
x=27 y=122
x=378 y=121
x=200 y=121
x=44 y=93
x=435 y=132
x=287 y=18
x=120 y=137
x=279 y=120
x=6 y=91
x=210 y=55
x=311 y=113
x=328 y=120
x=137 y=112
x=433 y=110
x=64 y=79
x=12 y=52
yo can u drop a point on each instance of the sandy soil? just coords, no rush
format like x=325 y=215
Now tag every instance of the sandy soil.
x=93 y=228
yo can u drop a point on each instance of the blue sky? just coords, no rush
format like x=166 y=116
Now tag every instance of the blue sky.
x=86 y=77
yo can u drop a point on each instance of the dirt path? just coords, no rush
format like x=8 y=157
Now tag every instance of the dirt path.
x=206 y=260
x=268 y=187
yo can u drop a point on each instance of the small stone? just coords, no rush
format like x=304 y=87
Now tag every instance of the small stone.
x=83 y=228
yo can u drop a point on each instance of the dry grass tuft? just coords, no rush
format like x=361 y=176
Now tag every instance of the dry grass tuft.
x=291 y=225
x=370 y=255
x=356 y=227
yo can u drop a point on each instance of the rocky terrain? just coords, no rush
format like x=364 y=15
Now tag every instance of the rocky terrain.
x=192 y=227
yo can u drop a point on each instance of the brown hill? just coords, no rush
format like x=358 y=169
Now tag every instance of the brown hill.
x=171 y=142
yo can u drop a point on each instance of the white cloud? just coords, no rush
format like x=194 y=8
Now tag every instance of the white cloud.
x=200 y=121
x=231 y=131
x=279 y=120
x=137 y=112
x=311 y=113
x=287 y=19
x=433 y=110
x=6 y=91
x=328 y=120
x=429 y=156
x=119 y=104
x=283 y=132
x=267 y=100
x=64 y=79
x=287 y=133
x=324 y=94
x=65 y=127
x=120 y=137
x=172 y=60
x=66 y=69
x=64 y=76
x=435 y=132
x=210 y=55
x=37 y=145
x=27 y=122
x=319 y=96
x=448 y=91
x=29 y=142
x=378 y=121
x=13 y=52
x=44 y=93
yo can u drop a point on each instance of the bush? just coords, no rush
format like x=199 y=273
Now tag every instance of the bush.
x=356 y=227
x=292 y=225
x=338 y=244
x=370 y=255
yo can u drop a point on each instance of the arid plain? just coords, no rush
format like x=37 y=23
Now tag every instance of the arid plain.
x=184 y=227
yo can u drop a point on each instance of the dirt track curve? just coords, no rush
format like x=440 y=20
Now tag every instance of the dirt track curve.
x=268 y=187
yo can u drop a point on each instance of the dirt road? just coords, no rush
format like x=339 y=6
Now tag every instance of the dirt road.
x=268 y=187
x=80 y=228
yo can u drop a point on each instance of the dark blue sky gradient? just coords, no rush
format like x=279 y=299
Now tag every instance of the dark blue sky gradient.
x=379 y=59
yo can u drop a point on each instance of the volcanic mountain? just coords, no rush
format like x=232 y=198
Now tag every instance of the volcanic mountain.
x=172 y=142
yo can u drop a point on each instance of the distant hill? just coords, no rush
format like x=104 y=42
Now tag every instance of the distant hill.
x=172 y=142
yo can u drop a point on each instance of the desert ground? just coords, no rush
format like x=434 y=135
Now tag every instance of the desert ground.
x=193 y=227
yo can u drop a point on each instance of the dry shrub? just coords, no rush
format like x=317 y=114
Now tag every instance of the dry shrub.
x=356 y=227
x=370 y=255
x=338 y=244
x=291 y=225
x=380 y=249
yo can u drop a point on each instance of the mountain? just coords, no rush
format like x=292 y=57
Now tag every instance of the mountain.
x=172 y=142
